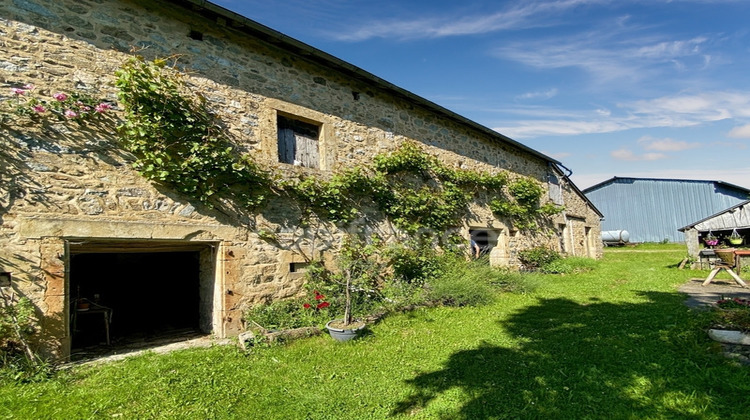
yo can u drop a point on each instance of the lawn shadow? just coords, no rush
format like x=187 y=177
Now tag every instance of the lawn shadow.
x=587 y=360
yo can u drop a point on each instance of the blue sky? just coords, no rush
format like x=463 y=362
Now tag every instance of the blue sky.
x=643 y=88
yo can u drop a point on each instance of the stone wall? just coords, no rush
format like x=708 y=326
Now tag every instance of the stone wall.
x=63 y=181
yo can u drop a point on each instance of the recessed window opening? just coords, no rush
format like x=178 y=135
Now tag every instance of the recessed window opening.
x=485 y=240
x=555 y=190
x=198 y=36
x=298 y=142
x=298 y=267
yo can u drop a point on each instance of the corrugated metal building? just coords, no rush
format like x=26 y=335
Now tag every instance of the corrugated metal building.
x=652 y=210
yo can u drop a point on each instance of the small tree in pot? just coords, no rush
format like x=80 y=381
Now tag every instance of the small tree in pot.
x=359 y=273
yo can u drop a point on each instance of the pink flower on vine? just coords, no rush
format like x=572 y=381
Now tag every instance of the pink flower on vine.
x=18 y=91
x=29 y=86
x=70 y=113
x=39 y=108
x=103 y=107
x=60 y=96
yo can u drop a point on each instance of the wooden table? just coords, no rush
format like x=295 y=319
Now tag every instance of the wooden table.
x=723 y=265
x=95 y=309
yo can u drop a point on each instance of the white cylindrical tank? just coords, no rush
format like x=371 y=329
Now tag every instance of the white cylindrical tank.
x=615 y=236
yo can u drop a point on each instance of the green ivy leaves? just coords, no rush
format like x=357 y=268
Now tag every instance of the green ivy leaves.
x=177 y=140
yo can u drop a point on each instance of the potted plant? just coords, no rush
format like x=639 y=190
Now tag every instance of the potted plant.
x=710 y=239
x=735 y=238
x=358 y=271
x=347 y=328
x=731 y=321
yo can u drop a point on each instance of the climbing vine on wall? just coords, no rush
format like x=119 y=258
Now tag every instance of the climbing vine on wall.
x=178 y=141
x=416 y=191
x=525 y=208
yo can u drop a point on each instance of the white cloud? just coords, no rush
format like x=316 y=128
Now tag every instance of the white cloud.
x=706 y=106
x=625 y=154
x=741 y=132
x=666 y=144
x=609 y=53
x=547 y=94
x=672 y=111
x=529 y=14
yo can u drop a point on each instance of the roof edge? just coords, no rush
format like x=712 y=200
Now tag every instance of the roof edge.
x=277 y=38
x=692 y=225
x=614 y=178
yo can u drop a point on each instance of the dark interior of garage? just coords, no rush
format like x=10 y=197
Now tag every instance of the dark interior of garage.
x=144 y=296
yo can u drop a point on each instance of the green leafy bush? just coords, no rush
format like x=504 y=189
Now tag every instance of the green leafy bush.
x=569 y=265
x=463 y=283
x=178 y=140
x=289 y=313
x=537 y=257
x=414 y=263
x=17 y=325
x=459 y=287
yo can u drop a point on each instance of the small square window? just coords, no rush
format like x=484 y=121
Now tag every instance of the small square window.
x=298 y=267
x=298 y=142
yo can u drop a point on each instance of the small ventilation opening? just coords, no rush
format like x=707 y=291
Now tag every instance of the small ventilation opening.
x=297 y=267
x=198 y=36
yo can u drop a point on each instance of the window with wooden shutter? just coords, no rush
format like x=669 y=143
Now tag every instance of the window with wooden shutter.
x=298 y=142
x=555 y=189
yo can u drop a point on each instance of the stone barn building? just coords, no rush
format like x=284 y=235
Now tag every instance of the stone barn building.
x=77 y=220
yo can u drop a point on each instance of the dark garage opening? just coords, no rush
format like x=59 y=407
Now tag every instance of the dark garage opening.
x=149 y=296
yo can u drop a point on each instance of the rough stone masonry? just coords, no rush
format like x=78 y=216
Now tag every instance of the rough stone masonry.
x=67 y=189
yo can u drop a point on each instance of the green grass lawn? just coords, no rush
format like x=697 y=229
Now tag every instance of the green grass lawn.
x=614 y=343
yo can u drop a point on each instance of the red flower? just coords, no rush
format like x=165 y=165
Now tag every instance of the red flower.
x=322 y=305
x=319 y=296
x=307 y=306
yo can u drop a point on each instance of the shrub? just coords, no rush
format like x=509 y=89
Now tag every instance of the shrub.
x=569 y=265
x=465 y=283
x=459 y=286
x=414 y=263
x=535 y=258
x=17 y=324
x=287 y=314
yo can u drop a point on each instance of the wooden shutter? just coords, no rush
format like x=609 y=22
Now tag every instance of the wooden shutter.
x=286 y=145
x=307 y=151
x=298 y=142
